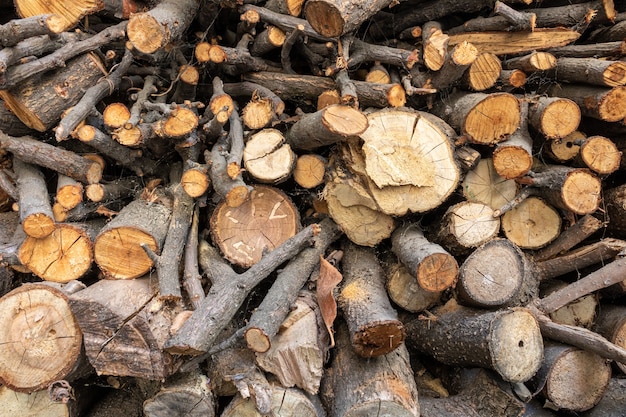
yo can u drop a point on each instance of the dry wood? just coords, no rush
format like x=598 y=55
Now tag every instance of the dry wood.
x=404 y=290
x=64 y=255
x=591 y=71
x=333 y=18
x=611 y=323
x=283 y=402
x=118 y=317
x=70 y=12
x=271 y=38
x=338 y=122
x=513 y=158
x=69 y=192
x=118 y=247
x=507 y=341
x=598 y=102
x=615 y=203
x=612 y=402
x=109 y=191
x=267 y=157
x=570 y=237
x=265 y=323
x=433 y=267
x=35 y=210
x=187 y=394
x=32 y=151
x=373 y=323
x=531 y=224
x=165 y=23
x=511 y=79
x=565 y=149
x=581 y=312
x=41 y=340
x=228 y=292
x=504 y=43
x=310 y=170
x=35 y=404
x=188 y=78
x=483 y=185
x=355 y=386
x=43 y=110
x=485 y=119
x=535 y=61
x=572 y=379
x=599 y=154
x=554 y=117
x=290 y=7
x=465 y=226
x=17 y=30
x=434 y=45
x=295 y=356
x=264 y=221
x=497 y=274
x=483 y=73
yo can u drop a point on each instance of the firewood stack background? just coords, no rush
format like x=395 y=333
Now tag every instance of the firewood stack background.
x=311 y=208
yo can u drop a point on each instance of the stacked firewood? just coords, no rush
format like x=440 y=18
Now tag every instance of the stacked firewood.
x=317 y=207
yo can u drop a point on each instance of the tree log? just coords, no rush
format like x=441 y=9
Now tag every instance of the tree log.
x=41 y=339
x=187 y=394
x=35 y=209
x=333 y=18
x=117 y=248
x=268 y=158
x=373 y=323
x=481 y=338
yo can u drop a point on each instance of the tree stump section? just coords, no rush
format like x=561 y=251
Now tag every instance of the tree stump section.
x=465 y=226
x=125 y=328
x=355 y=386
x=507 y=341
x=260 y=224
x=572 y=379
x=40 y=339
x=373 y=323
x=268 y=158
x=532 y=224
x=64 y=255
x=117 y=248
x=497 y=274
x=433 y=267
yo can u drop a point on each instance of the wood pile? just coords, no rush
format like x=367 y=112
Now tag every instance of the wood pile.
x=321 y=207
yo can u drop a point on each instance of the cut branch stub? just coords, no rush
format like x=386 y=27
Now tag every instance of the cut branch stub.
x=40 y=341
x=117 y=248
x=264 y=221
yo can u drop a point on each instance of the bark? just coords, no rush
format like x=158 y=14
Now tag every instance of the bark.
x=35 y=209
x=597 y=102
x=139 y=223
x=41 y=340
x=513 y=158
x=433 y=267
x=373 y=323
x=228 y=292
x=481 y=338
x=167 y=22
x=186 y=394
x=17 y=30
x=591 y=71
x=266 y=321
x=404 y=290
x=355 y=386
x=122 y=316
x=333 y=18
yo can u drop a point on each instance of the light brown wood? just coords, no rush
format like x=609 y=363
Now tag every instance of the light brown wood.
x=405 y=292
x=532 y=224
x=264 y=221
x=69 y=192
x=310 y=170
x=40 y=340
x=69 y=12
x=484 y=72
x=333 y=18
x=483 y=185
x=602 y=103
x=115 y=115
x=599 y=154
x=283 y=402
x=503 y=43
x=434 y=45
x=535 y=61
x=64 y=255
x=554 y=117
x=267 y=158
x=35 y=209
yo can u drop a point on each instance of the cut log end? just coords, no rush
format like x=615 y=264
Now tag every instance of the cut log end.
x=493 y=119
x=532 y=224
x=615 y=74
x=119 y=254
x=560 y=117
x=437 y=272
x=378 y=338
x=309 y=171
x=612 y=107
x=146 y=33
x=324 y=18
x=261 y=223
x=601 y=155
x=257 y=340
x=516 y=345
x=581 y=192
x=38 y=225
x=40 y=339
x=344 y=120
x=512 y=161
